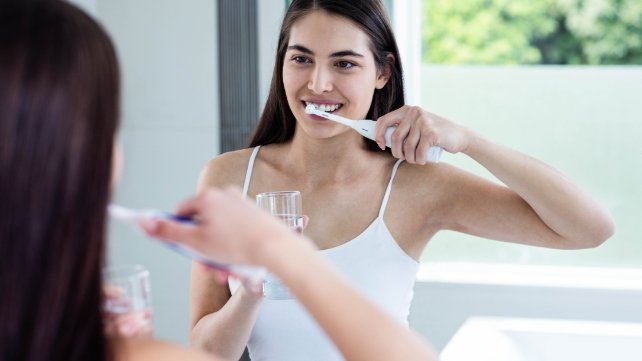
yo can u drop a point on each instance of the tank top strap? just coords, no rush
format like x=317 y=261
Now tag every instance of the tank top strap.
x=250 y=168
x=387 y=194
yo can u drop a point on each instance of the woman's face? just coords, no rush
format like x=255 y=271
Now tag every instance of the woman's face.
x=329 y=63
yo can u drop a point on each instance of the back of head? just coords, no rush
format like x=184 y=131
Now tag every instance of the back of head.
x=277 y=123
x=58 y=115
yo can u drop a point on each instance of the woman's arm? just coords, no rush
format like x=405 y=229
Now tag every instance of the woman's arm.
x=539 y=206
x=220 y=322
x=575 y=218
x=149 y=349
x=231 y=229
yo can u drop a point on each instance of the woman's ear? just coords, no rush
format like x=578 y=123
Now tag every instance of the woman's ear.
x=386 y=71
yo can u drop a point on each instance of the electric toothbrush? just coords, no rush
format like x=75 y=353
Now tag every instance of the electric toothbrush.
x=136 y=217
x=366 y=127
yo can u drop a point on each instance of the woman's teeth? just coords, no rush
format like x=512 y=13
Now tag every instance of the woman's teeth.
x=325 y=107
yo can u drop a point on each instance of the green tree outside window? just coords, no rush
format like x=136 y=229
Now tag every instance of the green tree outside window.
x=594 y=32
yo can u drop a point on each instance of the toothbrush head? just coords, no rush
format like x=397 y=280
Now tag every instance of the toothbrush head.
x=122 y=214
x=137 y=217
x=311 y=109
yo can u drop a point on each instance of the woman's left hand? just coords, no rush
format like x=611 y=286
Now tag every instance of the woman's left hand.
x=417 y=131
x=134 y=323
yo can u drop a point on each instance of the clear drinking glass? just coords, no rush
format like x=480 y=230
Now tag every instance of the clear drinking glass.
x=127 y=306
x=286 y=206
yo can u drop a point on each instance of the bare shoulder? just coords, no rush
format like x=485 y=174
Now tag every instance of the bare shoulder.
x=154 y=350
x=226 y=169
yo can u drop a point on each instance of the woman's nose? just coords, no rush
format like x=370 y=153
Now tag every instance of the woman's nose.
x=320 y=81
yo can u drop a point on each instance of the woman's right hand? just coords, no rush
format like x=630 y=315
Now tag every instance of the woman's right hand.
x=417 y=130
x=229 y=228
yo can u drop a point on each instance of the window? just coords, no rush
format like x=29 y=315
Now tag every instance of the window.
x=560 y=80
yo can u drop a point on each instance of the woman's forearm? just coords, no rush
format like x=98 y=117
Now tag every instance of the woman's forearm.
x=564 y=207
x=226 y=331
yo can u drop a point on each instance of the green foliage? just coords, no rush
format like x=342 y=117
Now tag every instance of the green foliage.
x=532 y=32
x=610 y=31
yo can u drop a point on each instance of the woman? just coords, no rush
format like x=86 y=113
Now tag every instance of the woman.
x=370 y=212
x=59 y=105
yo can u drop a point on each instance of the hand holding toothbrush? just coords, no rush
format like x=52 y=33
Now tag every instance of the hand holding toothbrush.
x=228 y=228
x=250 y=276
x=417 y=130
x=369 y=128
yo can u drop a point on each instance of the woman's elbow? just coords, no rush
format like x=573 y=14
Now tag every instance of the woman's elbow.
x=600 y=231
x=607 y=230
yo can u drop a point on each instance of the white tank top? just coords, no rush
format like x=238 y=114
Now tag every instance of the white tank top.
x=375 y=265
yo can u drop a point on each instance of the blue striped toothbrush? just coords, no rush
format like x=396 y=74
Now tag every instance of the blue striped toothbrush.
x=135 y=217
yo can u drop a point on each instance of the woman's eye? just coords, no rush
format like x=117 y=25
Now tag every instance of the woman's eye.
x=300 y=59
x=343 y=64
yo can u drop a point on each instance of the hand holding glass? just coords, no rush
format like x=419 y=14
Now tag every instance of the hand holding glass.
x=286 y=206
x=127 y=303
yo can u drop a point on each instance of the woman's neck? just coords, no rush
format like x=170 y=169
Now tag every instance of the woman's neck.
x=327 y=160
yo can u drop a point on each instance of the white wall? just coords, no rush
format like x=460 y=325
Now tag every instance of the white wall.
x=167 y=51
x=406 y=20
x=87 y=5
x=269 y=14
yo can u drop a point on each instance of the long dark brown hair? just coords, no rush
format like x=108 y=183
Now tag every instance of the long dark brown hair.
x=59 y=91
x=277 y=123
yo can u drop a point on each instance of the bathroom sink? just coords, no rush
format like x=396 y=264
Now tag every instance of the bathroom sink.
x=521 y=339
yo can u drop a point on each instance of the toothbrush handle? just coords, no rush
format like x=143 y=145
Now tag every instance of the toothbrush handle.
x=248 y=272
x=245 y=271
x=433 y=154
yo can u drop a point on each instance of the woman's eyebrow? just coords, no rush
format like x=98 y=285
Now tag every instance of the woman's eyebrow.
x=336 y=54
x=343 y=53
x=300 y=48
